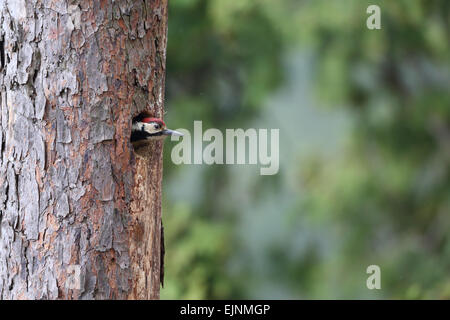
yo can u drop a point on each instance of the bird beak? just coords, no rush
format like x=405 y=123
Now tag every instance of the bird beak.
x=168 y=132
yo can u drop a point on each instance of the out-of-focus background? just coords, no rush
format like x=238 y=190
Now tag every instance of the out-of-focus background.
x=364 y=150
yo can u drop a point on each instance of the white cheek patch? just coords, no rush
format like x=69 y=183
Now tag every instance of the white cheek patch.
x=142 y=126
x=150 y=128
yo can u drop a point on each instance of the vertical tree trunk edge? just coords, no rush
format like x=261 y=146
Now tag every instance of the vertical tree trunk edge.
x=80 y=211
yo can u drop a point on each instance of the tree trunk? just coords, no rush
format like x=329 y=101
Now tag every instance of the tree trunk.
x=80 y=212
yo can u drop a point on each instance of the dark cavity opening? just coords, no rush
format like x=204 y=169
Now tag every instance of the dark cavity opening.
x=139 y=146
x=2 y=54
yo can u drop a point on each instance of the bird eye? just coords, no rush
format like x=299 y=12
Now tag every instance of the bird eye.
x=157 y=126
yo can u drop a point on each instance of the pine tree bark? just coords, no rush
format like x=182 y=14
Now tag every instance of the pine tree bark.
x=80 y=212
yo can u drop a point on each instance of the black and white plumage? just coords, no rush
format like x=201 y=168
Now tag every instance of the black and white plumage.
x=145 y=129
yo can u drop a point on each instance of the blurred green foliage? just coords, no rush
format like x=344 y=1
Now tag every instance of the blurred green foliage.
x=383 y=198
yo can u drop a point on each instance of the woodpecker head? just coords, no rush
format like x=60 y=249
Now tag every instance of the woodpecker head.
x=146 y=129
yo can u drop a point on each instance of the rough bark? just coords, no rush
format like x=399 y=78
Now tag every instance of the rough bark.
x=75 y=200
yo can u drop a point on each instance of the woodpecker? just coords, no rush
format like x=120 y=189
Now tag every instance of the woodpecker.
x=145 y=129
